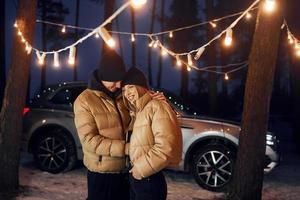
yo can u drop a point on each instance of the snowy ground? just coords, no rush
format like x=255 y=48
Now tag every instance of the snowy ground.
x=283 y=183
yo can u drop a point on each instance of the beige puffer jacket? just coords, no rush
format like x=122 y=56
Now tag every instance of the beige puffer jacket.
x=156 y=140
x=101 y=124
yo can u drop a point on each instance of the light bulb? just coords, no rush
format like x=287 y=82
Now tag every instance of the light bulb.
x=163 y=52
x=199 y=53
x=138 y=3
x=155 y=45
x=132 y=38
x=171 y=34
x=107 y=37
x=41 y=58
x=16 y=25
x=270 y=5
x=19 y=33
x=97 y=35
x=178 y=61
x=189 y=57
x=151 y=43
x=248 y=15
x=63 y=30
x=214 y=25
x=72 y=54
x=297 y=45
x=56 y=60
x=189 y=69
x=228 y=37
x=291 y=41
x=298 y=53
x=226 y=77
x=23 y=40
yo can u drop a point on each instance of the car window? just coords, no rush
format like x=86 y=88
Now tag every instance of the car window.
x=67 y=95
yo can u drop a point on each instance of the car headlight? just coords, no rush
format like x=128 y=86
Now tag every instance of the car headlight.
x=270 y=139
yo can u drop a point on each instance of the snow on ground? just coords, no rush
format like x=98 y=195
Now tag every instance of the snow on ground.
x=283 y=183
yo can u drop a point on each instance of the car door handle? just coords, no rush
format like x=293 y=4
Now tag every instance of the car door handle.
x=186 y=126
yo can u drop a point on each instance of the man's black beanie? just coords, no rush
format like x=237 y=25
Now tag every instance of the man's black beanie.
x=112 y=67
x=134 y=76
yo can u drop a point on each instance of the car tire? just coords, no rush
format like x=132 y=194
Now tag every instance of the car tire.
x=54 y=152
x=212 y=167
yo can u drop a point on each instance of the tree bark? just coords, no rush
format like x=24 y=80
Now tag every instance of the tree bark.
x=75 y=78
x=248 y=175
x=149 y=49
x=2 y=51
x=212 y=78
x=162 y=27
x=108 y=11
x=133 y=31
x=14 y=99
x=44 y=46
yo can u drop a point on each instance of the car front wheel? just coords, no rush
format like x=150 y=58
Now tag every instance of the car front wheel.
x=212 y=167
x=54 y=152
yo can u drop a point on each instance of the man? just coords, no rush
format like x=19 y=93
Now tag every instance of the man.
x=101 y=119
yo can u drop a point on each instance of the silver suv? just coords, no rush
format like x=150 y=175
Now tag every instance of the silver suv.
x=209 y=145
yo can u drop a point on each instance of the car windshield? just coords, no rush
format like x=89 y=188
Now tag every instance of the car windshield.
x=179 y=105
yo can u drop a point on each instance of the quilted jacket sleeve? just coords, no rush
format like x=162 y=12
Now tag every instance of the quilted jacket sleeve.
x=90 y=138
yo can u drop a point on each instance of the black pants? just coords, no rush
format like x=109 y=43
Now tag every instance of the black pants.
x=152 y=188
x=102 y=186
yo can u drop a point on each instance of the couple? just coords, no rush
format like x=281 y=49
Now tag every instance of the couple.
x=106 y=117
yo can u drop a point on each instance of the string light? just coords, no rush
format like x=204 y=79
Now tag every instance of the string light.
x=155 y=45
x=163 y=52
x=228 y=37
x=132 y=38
x=298 y=53
x=188 y=69
x=41 y=57
x=171 y=34
x=56 y=60
x=63 y=30
x=178 y=61
x=97 y=35
x=19 y=33
x=138 y=3
x=72 y=54
x=23 y=40
x=151 y=43
x=106 y=37
x=226 y=77
x=189 y=57
x=248 y=15
x=16 y=25
x=28 y=48
x=270 y=5
x=297 y=45
x=199 y=53
x=214 y=25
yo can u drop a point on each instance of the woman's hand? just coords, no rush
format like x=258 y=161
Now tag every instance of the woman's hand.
x=135 y=173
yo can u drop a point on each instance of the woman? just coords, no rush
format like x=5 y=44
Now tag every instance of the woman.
x=156 y=140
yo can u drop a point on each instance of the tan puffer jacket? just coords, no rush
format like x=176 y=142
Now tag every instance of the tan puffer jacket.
x=156 y=140
x=100 y=123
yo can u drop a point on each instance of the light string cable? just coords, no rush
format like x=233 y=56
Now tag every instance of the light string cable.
x=146 y=34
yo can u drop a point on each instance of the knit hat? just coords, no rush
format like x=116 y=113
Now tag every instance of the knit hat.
x=134 y=76
x=112 y=67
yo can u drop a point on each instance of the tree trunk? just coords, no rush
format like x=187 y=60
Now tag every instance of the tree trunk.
x=2 y=51
x=150 y=49
x=76 y=38
x=44 y=46
x=14 y=99
x=162 y=27
x=108 y=11
x=248 y=176
x=133 y=31
x=212 y=78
